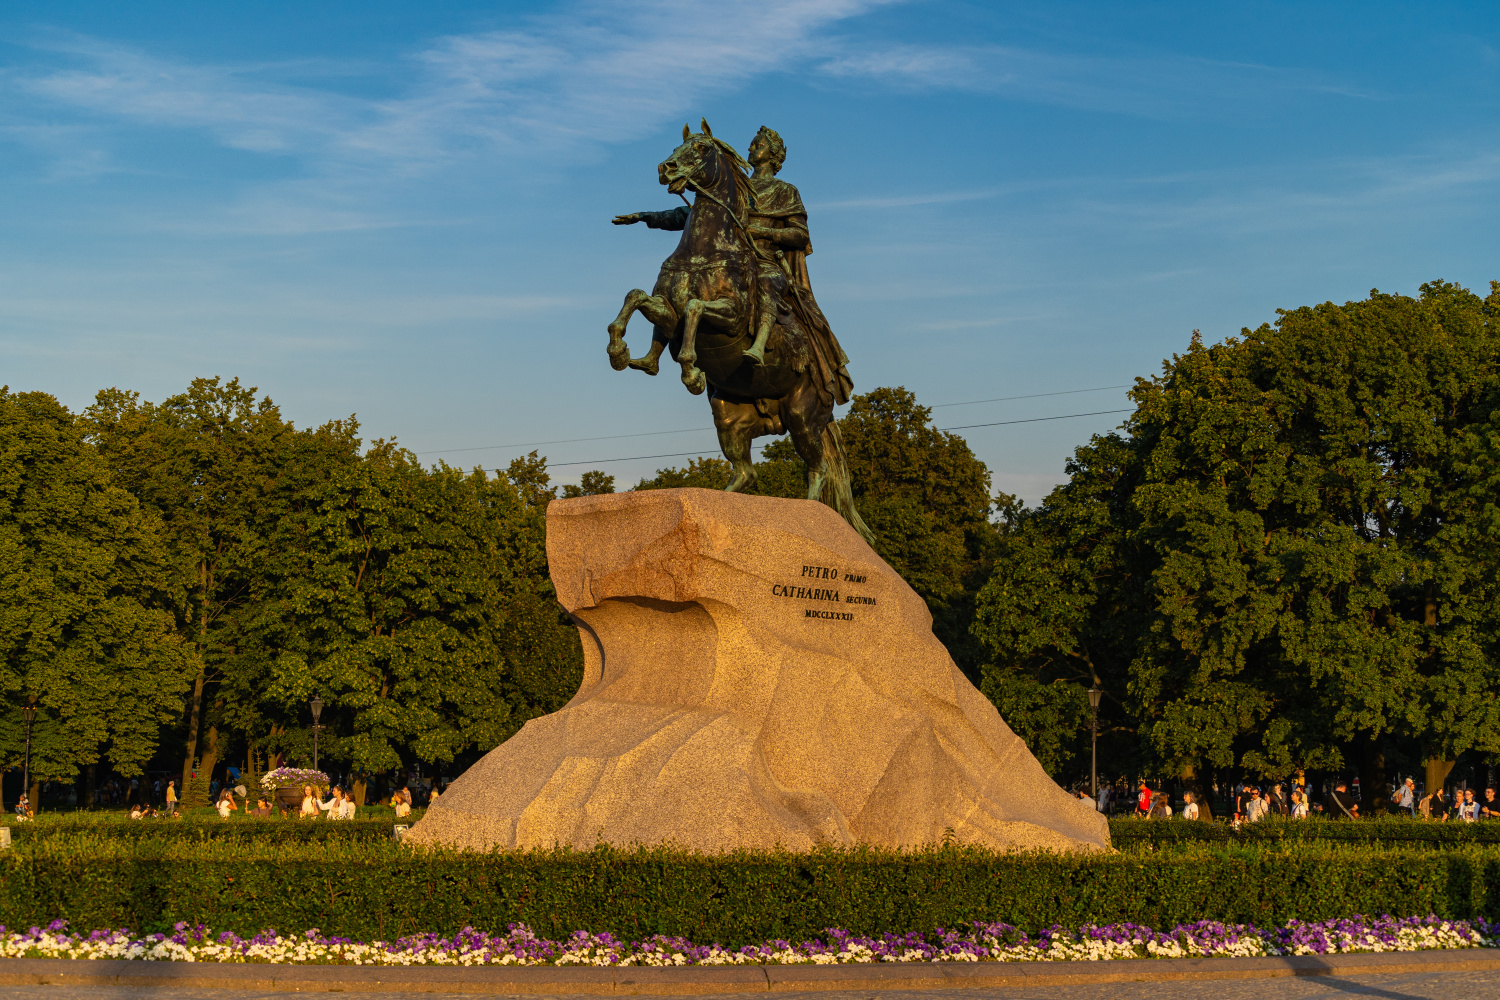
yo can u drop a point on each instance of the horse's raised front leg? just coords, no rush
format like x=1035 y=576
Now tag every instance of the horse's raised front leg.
x=722 y=312
x=655 y=308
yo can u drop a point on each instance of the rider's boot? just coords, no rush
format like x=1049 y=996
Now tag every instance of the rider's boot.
x=757 y=350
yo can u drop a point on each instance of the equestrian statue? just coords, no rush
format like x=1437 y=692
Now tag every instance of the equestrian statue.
x=734 y=306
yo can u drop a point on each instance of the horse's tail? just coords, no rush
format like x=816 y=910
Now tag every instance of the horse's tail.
x=836 y=462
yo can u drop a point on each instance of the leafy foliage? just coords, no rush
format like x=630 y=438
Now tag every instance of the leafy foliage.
x=1289 y=550
x=83 y=637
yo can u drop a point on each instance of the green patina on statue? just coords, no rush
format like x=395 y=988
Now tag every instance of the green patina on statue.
x=734 y=305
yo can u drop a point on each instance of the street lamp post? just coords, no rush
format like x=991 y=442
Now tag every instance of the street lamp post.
x=317 y=710
x=30 y=713
x=1094 y=695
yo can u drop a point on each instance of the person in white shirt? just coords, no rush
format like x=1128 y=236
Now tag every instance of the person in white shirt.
x=1256 y=808
x=331 y=806
x=1406 y=797
x=346 y=807
x=1299 y=806
x=1190 y=806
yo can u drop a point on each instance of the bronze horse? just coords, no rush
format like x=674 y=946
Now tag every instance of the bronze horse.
x=703 y=308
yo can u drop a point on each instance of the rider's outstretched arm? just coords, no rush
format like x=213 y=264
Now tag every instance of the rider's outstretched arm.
x=673 y=219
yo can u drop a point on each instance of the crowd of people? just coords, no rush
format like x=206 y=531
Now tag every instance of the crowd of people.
x=1251 y=803
x=228 y=799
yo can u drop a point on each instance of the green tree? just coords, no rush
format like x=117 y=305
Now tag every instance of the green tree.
x=1290 y=555
x=704 y=473
x=420 y=611
x=211 y=464
x=592 y=484
x=84 y=636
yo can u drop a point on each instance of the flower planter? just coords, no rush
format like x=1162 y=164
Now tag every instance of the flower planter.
x=291 y=796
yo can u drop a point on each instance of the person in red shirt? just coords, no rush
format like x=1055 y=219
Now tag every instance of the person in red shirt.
x=1143 y=800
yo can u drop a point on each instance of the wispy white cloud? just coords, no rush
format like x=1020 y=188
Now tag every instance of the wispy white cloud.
x=598 y=72
x=911 y=200
x=1164 y=86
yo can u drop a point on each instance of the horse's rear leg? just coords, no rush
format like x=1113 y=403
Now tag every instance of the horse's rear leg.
x=658 y=310
x=738 y=424
x=721 y=312
x=805 y=414
x=809 y=416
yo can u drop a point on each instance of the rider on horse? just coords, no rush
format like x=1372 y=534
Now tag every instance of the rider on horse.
x=777 y=222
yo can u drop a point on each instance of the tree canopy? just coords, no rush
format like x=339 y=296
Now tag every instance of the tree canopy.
x=84 y=636
x=1287 y=554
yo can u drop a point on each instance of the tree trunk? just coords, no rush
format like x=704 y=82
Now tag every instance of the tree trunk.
x=34 y=796
x=195 y=711
x=90 y=786
x=359 y=787
x=252 y=770
x=1437 y=772
x=1372 y=778
x=196 y=793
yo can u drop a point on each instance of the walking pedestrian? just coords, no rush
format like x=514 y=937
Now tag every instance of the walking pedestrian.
x=1299 y=805
x=1468 y=809
x=171 y=798
x=1406 y=797
x=1489 y=808
x=1189 y=805
x=1142 y=799
x=1257 y=808
x=1341 y=804
x=1277 y=800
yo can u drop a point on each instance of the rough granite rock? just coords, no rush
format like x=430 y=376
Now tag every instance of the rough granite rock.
x=754 y=675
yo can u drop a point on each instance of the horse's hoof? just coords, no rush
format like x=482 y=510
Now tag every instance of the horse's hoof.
x=647 y=364
x=619 y=356
x=756 y=354
x=695 y=381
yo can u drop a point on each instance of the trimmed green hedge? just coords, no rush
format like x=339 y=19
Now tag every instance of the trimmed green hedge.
x=205 y=825
x=1392 y=830
x=383 y=889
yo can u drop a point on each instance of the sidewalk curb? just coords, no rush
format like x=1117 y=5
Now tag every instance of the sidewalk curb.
x=632 y=980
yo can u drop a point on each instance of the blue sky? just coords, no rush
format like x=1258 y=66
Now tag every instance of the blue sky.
x=401 y=210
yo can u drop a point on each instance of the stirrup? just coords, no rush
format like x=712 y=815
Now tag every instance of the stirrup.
x=757 y=353
x=648 y=364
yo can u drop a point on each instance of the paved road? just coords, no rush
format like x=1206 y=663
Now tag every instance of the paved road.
x=1414 y=986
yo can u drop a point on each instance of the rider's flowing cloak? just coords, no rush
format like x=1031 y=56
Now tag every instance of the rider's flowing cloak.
x=776 y=201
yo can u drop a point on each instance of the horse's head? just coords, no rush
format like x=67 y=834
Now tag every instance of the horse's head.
x=701 y=163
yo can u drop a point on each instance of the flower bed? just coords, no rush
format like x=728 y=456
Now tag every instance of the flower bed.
x=982 y=942
x=292 y=777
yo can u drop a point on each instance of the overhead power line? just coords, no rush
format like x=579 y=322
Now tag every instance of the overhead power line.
x=533 y=444
x=1033 y=420
x=691 y=430
x=1034 y=395
x=707 y=454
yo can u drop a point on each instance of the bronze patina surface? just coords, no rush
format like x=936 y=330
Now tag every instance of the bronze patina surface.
x=734 y=306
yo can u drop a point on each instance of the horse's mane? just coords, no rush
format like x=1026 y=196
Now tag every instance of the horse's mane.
x=739 y=167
